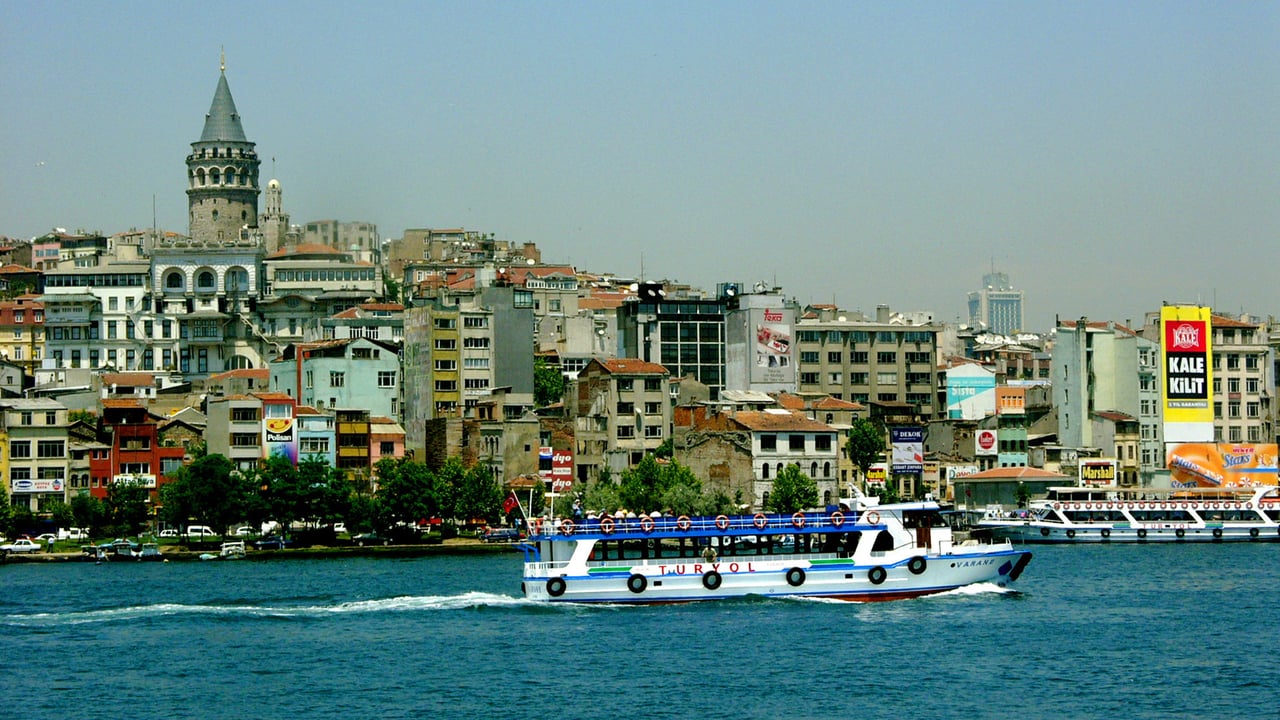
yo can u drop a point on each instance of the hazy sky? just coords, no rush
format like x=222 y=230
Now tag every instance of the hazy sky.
x=1108 y=156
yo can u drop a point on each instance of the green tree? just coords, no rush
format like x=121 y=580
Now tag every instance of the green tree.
x=6 y=516
x=329 y=491
x=548 y=383
x=61 y=513
x=406 y=493
x=865 y=445
x=642 y=486
x=665 y=451
x=792 y=491
x=89 y=512
x=283 y=491
x=1023 y=494
x=478 y=495
x=213 y=491
x=127 y=506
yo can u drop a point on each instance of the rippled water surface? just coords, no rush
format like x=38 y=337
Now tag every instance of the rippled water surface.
x=1090 y=631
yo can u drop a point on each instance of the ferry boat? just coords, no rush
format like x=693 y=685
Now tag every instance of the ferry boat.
x=1125 y=514
x=885 y=552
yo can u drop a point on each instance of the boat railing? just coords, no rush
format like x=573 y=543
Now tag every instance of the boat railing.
x=706 y=525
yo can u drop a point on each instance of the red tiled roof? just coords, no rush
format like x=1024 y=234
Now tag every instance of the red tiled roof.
x=253 y=373
x=121 y=403
x=760 y=421
x=1226 y=322
x=130 y=379
x=632 y=366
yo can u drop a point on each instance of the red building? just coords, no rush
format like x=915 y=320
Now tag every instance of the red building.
x=136 y=452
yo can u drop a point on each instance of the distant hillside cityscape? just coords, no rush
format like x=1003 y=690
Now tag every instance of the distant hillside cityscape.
x=121 y=354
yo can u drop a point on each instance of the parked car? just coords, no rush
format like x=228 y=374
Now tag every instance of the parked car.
x=21 y=545
x=339 y=527
x=74 y=534
x=272 y=542
x=369 y=538
x=43 y=538
x=501 y=534
x=170 y=533
x=200 y=531
x=244 y=531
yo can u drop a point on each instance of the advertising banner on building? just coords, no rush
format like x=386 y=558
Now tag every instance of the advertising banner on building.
x=907 y=454
x=970 y=397
x=985 y=443
x=555 y=467
x=1186 y=353
x=1097 y=471
x=773 y=361
x=877 y=474
x=1223 y=464
x=27 y=485
x=280 y=437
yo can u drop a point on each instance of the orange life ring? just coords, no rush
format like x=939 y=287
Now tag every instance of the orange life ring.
x=1057 y=506
x=566 y=527
x=683 y=523
x=722 y=522
x=837 y=518
x=760 y=521
x=872 y=518
x=606 y=525
x=646 y=524
x=798 y=520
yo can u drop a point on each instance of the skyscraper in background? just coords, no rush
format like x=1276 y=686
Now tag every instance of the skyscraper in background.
x=997 y=307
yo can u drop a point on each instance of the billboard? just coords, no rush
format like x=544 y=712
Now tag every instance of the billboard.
x=971 y=393
x=1223 y=464
x=985 y=443
x=1097 y=471
x=43 y=485
x=907 y=454
x=555 y=467
x=877 y=474
x=1186 y=352
x=280 y=437
x=771 y=357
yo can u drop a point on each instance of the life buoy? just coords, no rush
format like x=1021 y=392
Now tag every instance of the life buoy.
x=795 y=577
x=1106 y=532
x=873 y=518
x=797 y=520
x=876 y=575
x=555 y=587
x=837 y=519
x=1217 y=533
x=722 y=522
x=606 y=526
x=1071 y=533
x=646 y=525
x=711 y=580
x=683 y=523
x=917 y=565
x=566 y=527
x=637 y=583
x=1253 y=532
x=1142 y=532
x=1057 y=506
x=1248 y=506
x=760 y=521
x=1180 y=533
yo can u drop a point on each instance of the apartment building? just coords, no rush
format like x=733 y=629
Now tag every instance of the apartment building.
x=890 y=359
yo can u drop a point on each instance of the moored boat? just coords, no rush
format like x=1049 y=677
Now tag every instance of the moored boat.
x=884 y=552
x=1123 y=514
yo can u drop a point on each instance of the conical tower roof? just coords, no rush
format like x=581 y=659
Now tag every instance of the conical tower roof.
x=222 y=124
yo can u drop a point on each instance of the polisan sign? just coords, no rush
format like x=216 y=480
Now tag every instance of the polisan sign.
x=985 y=442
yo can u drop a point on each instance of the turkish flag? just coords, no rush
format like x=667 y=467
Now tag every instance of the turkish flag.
x=510 y=503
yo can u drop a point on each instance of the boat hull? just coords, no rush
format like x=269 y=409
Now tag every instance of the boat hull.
x=1056 y=533
x=830 y=578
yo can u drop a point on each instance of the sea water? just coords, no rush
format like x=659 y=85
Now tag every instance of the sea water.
x=1097 y=631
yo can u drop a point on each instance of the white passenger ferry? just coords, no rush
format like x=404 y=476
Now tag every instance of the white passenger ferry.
x=1122 y=514
x=885 y=552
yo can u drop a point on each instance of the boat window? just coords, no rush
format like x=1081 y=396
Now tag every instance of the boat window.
x=883 y=543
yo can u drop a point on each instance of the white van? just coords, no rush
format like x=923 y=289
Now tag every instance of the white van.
x=200 y=531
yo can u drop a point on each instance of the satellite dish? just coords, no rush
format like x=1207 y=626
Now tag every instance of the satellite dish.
x=529 y=261
x=731 y=290
x=634 y=287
